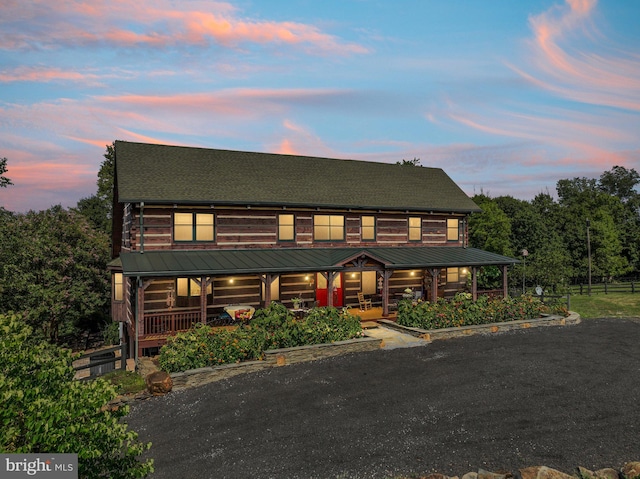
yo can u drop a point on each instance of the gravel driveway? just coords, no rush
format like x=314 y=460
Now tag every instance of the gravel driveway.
x=554 y=396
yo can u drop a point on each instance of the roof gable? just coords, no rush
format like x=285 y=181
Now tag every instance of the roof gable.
x=186 y=175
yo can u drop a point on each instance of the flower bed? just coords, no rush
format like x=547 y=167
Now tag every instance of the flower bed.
x=463 y=311
x=271 y=328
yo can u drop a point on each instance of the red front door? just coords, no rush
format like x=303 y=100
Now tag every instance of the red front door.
x=321 y=290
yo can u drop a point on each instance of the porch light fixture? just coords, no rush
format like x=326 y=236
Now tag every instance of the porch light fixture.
x=413 y=273
x=230 y=280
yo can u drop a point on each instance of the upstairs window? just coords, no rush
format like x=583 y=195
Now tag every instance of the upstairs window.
x=415 y=228
x=118 y=287
x=328 y=228
x=286 y=227
x=193 y=226
x=368 y=228
x=453 y=233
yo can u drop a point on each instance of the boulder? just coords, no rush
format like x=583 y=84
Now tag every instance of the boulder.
x=607 y=473
x=159 y=383
x=631 y=470
x=482 y=474
x=435 y=475
x=543 y=472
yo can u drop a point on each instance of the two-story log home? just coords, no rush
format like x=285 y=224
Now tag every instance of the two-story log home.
x=196 y=230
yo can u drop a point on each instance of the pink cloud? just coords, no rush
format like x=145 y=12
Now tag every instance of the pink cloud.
x=570 y=70
x=154 y=24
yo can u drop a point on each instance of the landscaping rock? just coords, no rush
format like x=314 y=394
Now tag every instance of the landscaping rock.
x=470 y=475
x=631 y=470
x=435 y=475
x=159 y=383
x=543 y=472
x=482 y=474
x=607 y=473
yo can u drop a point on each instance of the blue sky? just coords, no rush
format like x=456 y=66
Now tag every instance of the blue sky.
x=507 y=97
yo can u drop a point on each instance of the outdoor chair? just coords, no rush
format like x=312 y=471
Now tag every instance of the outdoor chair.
x=365 y=304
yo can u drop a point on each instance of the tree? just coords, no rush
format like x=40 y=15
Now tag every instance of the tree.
x=98 y=208
x=620 y=182
x=414 y=162
x=623 y=184
x=490 y=230
x=54 y=270
x=45 y=410
x=4 y=181
x=583 y=199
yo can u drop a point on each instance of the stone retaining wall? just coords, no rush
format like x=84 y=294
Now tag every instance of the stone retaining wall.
x=631 y=470
x=273 y=358
x=446 y=333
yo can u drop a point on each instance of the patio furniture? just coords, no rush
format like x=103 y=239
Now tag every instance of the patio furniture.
x=240 y=311
x=365 y=304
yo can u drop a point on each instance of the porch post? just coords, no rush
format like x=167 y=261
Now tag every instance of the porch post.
x=385 y=291
x=330 y=277
x=435 y=272
x=267 y=280
x=474 y=283
x=204 y=285
x=505 y=286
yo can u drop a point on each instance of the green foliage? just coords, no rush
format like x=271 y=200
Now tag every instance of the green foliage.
x=98 y=208
x=110 y=333
x=45 y=410
x=4 y=181
x=414 y=162
x=463 y=311
x=490 y=230
x=125 y=382
x=271 y=328
x=53 y=270
x=555 y=232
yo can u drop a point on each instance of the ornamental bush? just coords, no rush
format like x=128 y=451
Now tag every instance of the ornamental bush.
x=45 y=410
x=463 y=311
x=273 y=327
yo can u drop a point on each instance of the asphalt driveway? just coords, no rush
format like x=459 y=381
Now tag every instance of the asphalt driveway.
x=554 y=396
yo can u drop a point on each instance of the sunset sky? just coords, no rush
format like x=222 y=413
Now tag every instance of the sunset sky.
x=506 y=96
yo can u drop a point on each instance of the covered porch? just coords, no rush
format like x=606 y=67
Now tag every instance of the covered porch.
x=170 y=291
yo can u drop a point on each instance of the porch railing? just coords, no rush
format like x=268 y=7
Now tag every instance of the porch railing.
x=168 y=322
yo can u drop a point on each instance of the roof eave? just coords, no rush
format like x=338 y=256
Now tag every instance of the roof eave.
x=280 y=204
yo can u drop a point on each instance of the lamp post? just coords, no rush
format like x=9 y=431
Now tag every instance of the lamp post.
x=589 y=255
x=524 y=253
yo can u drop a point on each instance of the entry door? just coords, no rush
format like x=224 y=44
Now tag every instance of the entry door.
x=321 y=290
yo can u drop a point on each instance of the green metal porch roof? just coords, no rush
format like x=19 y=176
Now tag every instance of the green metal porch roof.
x=254 y=261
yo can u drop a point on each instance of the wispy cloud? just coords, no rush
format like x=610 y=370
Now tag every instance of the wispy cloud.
x=569 y=62
x=156 y=24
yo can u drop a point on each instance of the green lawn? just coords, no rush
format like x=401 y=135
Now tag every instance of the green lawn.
x=606 y=305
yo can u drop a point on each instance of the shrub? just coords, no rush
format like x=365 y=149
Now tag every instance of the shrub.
x=271 y=328
x=45 y=410
x=463 y=311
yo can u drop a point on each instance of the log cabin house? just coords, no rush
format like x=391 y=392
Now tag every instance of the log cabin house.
x=196 y=230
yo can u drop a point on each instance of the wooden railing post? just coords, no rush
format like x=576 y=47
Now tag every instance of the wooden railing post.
x=123 y=356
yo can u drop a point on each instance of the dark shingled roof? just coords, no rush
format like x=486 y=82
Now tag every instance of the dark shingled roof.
x=186 y=175
x=253 y=261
